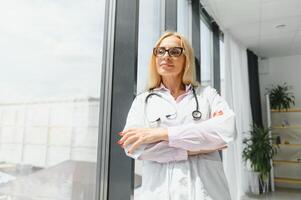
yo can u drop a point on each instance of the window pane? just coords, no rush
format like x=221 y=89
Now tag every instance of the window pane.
x=149 y=32
x=222 y=65
x=184 y=18
x=206 y=55
x=49 y=101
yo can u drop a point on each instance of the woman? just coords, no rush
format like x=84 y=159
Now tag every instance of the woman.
x=177 y=128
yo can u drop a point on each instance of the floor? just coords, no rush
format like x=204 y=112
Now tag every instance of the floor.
x=279 y=194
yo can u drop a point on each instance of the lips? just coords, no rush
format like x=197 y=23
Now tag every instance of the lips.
x=166 y=64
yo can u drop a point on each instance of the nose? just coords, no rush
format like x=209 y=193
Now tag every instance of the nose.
x=166 y=55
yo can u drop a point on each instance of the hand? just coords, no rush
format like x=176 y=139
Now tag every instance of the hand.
x=193 y=153
x=139 y=136
x=218 y=113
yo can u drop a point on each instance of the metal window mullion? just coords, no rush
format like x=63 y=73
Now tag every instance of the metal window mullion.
x=171 y=15
x=216 y=57
x=123 y=91
x=162 y=17
x=196 y=36
x=105 y=103
x=205 y=17
x=123 y=88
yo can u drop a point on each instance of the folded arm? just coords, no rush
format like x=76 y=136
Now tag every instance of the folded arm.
x=177 y=143
x=211 y=134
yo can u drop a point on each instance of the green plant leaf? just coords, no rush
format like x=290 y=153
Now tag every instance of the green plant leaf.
x=259 y=150
x=281 y=97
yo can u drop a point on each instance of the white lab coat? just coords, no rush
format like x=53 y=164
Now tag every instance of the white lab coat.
x=168 y=173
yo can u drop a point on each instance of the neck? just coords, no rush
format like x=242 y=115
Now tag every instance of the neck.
x=175 y=85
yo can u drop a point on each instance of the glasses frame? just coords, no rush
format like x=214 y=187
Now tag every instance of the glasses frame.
x=168 y=51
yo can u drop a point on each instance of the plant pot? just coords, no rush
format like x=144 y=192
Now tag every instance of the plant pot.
x=264 y=185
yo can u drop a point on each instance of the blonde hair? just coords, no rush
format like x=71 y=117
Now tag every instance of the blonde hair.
x=154 y=79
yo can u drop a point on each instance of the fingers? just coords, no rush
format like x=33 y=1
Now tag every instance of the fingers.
x=135 y=145
x=131 y=136
x=138 y=136
x=134 y=130
x=128 y=133
x=125 y=136
x=131 y=140
x=218 y=113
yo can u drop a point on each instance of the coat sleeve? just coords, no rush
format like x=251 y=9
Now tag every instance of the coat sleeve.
x=213 y=133
x=159 y=152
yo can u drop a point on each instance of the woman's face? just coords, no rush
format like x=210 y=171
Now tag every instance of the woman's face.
x=170 y=65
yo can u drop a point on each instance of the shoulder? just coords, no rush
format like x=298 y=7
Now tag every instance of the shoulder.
x=140 y=97
x=206 y=91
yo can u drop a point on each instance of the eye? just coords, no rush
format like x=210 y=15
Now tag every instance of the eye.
x=160 y=51
x=176 y=51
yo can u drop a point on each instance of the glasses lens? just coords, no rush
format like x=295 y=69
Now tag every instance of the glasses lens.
x=175 y=52
x=159 y=51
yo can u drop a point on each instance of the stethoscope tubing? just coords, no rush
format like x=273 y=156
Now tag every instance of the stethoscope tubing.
x=196 y=114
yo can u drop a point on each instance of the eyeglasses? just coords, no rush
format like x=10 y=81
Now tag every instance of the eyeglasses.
x=172 y=52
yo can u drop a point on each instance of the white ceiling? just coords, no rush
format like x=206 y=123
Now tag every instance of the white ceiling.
x=252 y=22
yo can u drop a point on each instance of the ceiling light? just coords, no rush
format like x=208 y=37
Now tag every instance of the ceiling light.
x=280 y=26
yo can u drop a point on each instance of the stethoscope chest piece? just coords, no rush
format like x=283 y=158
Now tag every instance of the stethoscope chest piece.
x=197 y=115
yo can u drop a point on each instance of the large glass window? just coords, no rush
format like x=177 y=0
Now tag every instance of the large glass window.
x=150 y=24
x=206 y=55
x=184 y=18
x=50 y=83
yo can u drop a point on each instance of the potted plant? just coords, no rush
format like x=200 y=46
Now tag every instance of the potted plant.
x=259 y=151
x=281 y=97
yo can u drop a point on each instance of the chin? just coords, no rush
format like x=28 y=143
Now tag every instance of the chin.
x=164 y=72
x=168 y=74
x=167 y=71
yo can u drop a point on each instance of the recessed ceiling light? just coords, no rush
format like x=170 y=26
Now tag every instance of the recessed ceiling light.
x=280 y=26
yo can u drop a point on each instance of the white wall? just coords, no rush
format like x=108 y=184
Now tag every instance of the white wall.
x=273 y=71
x=277 y=70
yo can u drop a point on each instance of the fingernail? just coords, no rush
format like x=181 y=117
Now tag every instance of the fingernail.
x=120 y=133
x=119 y=142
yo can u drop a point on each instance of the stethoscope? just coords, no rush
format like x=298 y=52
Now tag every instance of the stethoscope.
x=196 y=114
